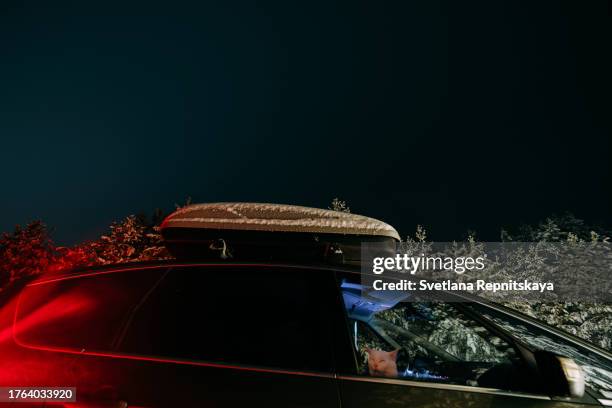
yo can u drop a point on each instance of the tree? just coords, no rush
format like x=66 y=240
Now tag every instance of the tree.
x=30 y=251
x=557 y=228
x=132 y=239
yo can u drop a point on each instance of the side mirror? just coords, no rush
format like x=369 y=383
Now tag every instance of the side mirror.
x=561 y=375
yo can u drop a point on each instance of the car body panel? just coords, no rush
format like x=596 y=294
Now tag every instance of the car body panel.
x=108 y=378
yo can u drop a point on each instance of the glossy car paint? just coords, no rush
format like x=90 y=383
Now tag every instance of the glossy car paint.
x=111 y=379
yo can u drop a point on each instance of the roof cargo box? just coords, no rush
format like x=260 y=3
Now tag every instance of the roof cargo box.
x=255 y=231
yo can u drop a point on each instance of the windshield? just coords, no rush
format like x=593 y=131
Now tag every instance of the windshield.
x=597 y=369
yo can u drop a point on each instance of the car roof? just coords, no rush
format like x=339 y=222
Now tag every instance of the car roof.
x=126 y=266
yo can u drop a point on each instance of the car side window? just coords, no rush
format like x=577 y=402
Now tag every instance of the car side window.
x=82 y=313
x=237 y=315
x=440 y=330
x=435 y=342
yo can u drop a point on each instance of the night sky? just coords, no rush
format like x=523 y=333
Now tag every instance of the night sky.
x=455 y=115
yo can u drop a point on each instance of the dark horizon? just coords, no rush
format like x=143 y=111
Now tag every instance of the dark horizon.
x=471 y=116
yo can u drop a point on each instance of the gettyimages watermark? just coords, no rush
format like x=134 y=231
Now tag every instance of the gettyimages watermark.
x=500 y=271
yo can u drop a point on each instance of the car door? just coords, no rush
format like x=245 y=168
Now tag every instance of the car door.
x=443 y=356
x=229 y=336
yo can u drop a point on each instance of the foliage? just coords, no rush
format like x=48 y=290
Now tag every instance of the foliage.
x=592 y=322
x=130 y=240
x=339 y=205
x=557 y=228
x=29 y=251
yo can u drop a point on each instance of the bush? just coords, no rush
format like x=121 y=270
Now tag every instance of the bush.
x=29 y=251
x=130 y=240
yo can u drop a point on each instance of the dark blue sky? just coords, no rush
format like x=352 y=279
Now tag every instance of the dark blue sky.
x=455 y=115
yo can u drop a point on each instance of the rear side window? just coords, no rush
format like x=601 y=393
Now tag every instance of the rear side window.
x=237 y=315
x=84 y=313
x=256 y=316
